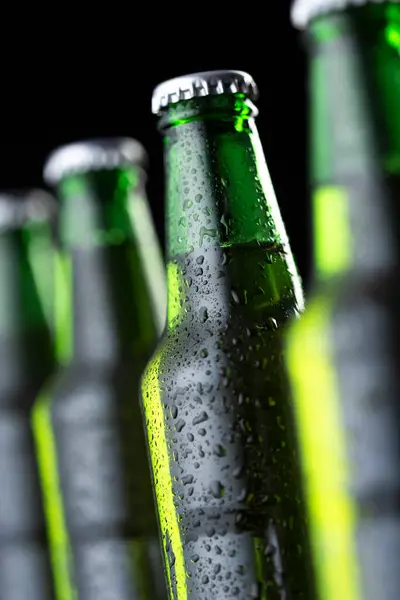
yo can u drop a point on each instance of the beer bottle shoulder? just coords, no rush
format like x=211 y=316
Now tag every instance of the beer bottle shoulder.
x=233 y=357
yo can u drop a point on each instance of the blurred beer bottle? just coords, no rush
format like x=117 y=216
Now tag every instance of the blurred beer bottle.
x=88 y=424
x=343 y=355
x=215 y=393
x=26 y=361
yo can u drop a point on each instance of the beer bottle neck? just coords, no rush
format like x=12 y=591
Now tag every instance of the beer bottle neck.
x=25 y=346
x=355 y=138
x=218 y=190
x=110 y=260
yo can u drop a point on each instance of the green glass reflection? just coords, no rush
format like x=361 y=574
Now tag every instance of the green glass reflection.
x=323 y=444
x=57 y=531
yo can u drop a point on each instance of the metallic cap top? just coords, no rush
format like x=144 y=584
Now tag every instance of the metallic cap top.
x=303 y=11
x=202 y=84
x=92 y=155
x=20 y=207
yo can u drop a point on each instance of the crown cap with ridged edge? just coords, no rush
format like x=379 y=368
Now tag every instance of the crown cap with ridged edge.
x=303 y=11
x=22 y=207
x=93 y=155
x=202 y=84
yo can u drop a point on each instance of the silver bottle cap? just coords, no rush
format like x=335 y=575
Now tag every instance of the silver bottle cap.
x=303 y=11
x=198 y=85
x=21 y=207
x=93 y=155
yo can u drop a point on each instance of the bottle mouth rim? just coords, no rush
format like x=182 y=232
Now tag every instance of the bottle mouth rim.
x=304 y=11
x=200 y=85
x=20 y=207
x=93 y=155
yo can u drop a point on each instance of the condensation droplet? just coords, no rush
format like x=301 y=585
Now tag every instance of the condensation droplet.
x=203 y=416
x=235 y=297
x=180 y=424
x=219 y=450
x=217 y=489
x=187 y=479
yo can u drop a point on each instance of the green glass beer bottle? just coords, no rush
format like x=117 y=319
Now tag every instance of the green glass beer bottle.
x=215 y=394
x=342 y=355
x=88 y=423
x=26 y=361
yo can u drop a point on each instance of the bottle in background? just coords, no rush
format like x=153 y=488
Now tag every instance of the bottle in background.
x=26 y=361
x=343 y=354
x=88 y=424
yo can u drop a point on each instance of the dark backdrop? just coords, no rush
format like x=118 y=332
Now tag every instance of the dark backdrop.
x=77 y=80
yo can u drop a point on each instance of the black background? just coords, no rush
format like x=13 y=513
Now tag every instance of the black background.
x=91 y=78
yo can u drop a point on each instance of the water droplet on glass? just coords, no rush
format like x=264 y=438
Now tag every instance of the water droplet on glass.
x=216 y=569
x=203 y=416
x=180 y=424
x=203 y=314
x=272 y=323
x=206 y=232
x=235 y=297
x=187 y=479
x=217 y=489
x=235 y=591
x=238 y=472
x=224 y=222
x=219 y=450
x=242 y=495
x=210 y=531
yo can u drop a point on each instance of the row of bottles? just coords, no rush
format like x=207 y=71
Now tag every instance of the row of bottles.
x=272 y=457
x=217 y=419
